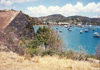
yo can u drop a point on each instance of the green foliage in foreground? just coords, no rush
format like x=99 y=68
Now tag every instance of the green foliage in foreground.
x=46 y=41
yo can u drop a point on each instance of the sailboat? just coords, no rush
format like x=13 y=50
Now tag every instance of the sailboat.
x=93 y=29
x=96 y=34
x=86 y=30
x=81 y=31
x=66 y=26
x=69 y=29
x=56 y=28
x=90 y=27
x=60 y=31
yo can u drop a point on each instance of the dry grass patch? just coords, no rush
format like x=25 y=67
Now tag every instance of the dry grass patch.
x=12 y=61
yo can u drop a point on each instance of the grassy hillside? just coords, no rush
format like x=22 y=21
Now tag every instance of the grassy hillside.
x=12 y=61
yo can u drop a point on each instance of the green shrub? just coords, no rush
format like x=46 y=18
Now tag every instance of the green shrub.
x=10 y=40
x=45 y=37
x=33 y=51
x=49 y=52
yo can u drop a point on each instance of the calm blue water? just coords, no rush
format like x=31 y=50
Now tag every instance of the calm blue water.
x=74 y=40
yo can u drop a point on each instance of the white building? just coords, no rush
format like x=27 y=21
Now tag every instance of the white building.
x=63 y=23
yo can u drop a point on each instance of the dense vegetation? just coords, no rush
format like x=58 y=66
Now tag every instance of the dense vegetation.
x=46 y=41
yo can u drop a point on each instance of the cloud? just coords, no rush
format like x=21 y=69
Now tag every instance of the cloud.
x=5 y=2
x=67 y=10
x=10 y=2
x=92 y=7
x=96 y=16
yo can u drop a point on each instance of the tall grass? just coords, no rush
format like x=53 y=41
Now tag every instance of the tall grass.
x=12 y=61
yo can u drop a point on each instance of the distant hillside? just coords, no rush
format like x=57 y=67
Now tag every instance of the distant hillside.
x=33 y=20
x=95 y=20
x=79 y=18
x=54 y=18
x=70 y=19
x=84 y=19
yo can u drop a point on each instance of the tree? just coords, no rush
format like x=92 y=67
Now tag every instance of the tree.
x=47 y=38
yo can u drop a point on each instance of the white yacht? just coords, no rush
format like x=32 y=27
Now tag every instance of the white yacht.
x=96 y=34
x=81 y=31
x=86 y=30
x=90 y=27
x=66 y=26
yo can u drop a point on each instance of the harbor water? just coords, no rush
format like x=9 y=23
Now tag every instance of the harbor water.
x=76 y=41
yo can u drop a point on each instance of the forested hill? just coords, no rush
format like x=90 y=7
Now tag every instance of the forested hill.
x=76 y=18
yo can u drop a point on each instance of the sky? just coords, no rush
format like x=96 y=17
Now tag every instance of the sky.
x=38 y=8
